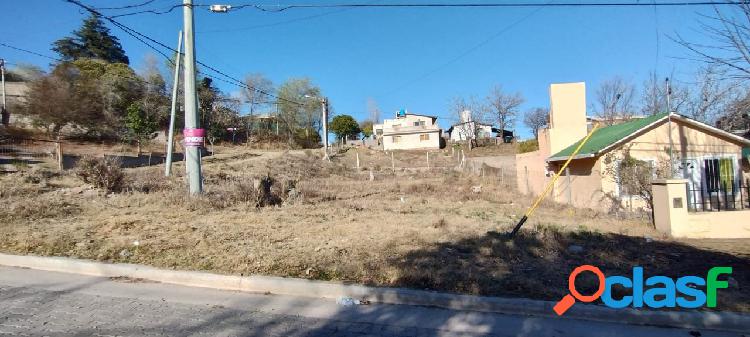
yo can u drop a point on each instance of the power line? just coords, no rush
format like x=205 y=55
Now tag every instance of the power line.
x=28 y=51
x=140 y=36
x=467 y=51
x=280 y=8
x=127 y=7
x=61 y=61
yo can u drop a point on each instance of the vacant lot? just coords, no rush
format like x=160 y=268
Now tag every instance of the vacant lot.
x=416 y=228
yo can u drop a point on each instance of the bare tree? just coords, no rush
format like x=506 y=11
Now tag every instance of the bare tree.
x=536 y=119
x=256 y=94
x=654 y=95
x=614 y=100
x=705 y=99
x=374 y=110
x=470 y=116
x=503 y=107
x=729 y=33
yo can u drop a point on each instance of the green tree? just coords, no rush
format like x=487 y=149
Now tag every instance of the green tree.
x=92 y=40
x=141 y=126
x=305 y=117
x=344 y=126
x=367 y=128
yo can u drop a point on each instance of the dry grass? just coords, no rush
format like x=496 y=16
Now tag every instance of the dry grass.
x=331 y=222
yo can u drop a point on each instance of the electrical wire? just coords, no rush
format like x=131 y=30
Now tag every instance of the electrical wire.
x=29 y=52
x=140 y=37
x=281 y=8
x=467 y=51
x=61 y=61
x=126 y=7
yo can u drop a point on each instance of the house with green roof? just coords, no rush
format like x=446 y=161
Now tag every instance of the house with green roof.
x=714 y=162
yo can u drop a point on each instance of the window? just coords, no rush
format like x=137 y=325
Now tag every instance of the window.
x=424 y=137
x=719 y=174
x=396 y=139
x=379 y=132
x=419 y=123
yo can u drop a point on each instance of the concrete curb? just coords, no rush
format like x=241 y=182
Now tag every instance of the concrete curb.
x=724 y=321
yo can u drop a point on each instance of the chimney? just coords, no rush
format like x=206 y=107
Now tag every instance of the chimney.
x=567 y=115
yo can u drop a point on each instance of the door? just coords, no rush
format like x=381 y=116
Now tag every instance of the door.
x=691 y=171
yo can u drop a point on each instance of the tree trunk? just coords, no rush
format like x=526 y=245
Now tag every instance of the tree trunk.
x=139 y=147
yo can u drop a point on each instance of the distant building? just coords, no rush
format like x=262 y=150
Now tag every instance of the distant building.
x=467 y=129
x=408 y=131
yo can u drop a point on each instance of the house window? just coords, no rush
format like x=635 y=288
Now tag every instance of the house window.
x=719 y=174
x=424 y=137
x=396 y=139
x=419 y=123
x=379 y=132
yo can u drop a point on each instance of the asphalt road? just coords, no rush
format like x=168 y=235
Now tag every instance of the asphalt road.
x=39 y=303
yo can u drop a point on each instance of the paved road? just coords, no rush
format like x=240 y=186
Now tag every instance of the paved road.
x=38 y=303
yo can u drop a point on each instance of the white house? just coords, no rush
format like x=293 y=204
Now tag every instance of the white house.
x=408 y=131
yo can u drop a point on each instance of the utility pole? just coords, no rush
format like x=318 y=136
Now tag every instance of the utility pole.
x=4 y=112
x=669 y=123
x=193 y=135
x=325 y=128
x=170 y=138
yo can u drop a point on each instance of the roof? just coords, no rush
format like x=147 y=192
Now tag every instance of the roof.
x=413 y=114
x=608 y=137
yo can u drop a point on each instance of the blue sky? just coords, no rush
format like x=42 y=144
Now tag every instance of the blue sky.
x=414 y=58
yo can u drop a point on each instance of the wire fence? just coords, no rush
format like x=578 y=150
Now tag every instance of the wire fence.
x=16 y=151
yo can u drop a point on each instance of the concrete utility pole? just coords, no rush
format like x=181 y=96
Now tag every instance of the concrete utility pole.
x=192 y=132
x=4 y=112
x=669 y=123
x=325 y=128
x=170 y=138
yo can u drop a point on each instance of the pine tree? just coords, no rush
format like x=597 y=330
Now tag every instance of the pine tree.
x=92 y=40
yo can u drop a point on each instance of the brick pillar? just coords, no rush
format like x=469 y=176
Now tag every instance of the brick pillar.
x=670 y=204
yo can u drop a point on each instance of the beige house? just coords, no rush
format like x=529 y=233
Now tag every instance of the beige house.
x=408 y=131
x=713 y=162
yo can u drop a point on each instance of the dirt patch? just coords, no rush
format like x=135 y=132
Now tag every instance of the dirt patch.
x=422 y=229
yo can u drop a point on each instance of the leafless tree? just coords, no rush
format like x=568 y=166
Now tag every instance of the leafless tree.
x=705 y=99
x=614 y=100
x=728 y=29
x=536 y=119
x=654 y=95
x=469 y=116
x=373 y=110
x=258 y=84
x=503 y=107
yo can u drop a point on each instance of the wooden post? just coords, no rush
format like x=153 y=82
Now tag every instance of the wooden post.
x=59 y=153
x=526 y=169
x=428 y=160
x=570 y=187
x=357 y=160
x=393 y=163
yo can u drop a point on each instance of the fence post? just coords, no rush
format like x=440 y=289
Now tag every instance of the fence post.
x=428 y=160
x=59 y=153
x=393 y=163
x=526 y=170
x=357 y=160
x=570 y=187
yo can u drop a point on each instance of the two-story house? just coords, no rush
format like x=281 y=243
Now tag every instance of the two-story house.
x=408 y=131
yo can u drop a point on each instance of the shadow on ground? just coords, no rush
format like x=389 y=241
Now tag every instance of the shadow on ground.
x=537 y=263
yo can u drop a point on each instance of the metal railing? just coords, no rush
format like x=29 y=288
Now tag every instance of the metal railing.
x=727 y=196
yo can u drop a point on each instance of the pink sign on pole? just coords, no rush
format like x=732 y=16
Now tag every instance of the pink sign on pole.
x=194 y=137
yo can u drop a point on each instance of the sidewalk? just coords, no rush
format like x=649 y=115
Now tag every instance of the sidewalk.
x=42 y=303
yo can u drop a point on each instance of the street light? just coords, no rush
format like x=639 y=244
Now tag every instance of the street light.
x=220 y=8
x=324 y=102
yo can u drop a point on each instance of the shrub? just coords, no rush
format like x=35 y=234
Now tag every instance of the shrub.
x=103 y=173
x=528 y=146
